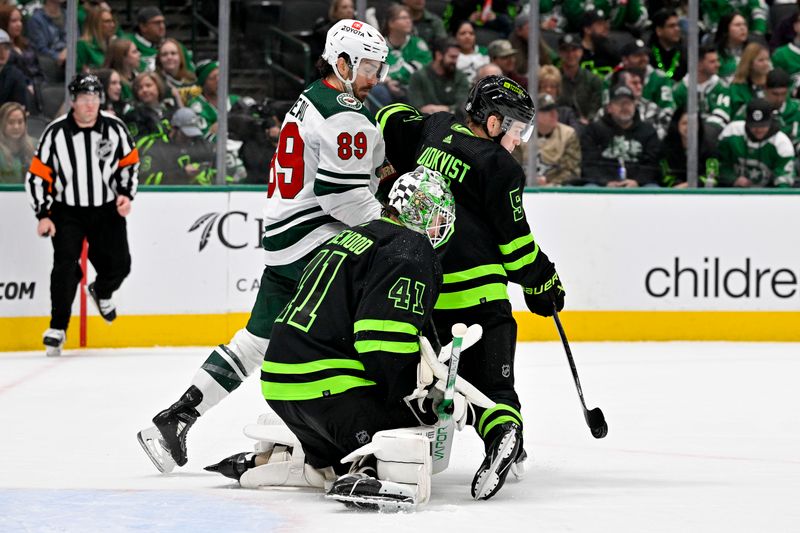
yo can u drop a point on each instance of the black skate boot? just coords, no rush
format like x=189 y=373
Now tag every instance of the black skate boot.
x=503 y=451
x=165 y=443
x=234 y=466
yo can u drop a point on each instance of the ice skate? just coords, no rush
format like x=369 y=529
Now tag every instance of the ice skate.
x=169 y=433
x=106 y=308
x=364 y=492
x=500 y=455
x=234 y=466
x=53 y=340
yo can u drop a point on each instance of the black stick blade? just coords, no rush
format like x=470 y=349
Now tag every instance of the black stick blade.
x=597 y=423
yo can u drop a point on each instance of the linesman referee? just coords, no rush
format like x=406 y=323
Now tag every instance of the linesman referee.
x=80 y=183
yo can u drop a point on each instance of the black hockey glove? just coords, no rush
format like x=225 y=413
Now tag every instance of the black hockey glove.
x=540 y=299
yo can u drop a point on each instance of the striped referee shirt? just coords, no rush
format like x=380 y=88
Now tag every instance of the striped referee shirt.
x=82 y=167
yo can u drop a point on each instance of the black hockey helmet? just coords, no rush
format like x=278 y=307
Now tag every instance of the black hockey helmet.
x=86 y=83
x=502 y=96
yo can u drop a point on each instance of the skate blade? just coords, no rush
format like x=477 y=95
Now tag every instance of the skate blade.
x=53 y=351
x=373 y=503
x=489 y=478
x=149 y=439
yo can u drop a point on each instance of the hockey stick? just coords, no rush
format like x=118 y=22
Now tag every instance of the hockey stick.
x=445 y=410
x=594 y=418
x=442 y=437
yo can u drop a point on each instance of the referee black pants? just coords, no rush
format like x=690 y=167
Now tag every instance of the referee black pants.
x=106 y=232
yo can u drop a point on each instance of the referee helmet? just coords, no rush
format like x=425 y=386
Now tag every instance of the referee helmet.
x=86 y=83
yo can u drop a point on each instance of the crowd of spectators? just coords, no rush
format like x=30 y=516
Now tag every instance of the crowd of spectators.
x=612 y=86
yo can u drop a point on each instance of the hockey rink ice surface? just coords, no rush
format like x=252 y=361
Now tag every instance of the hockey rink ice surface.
x=702 y=437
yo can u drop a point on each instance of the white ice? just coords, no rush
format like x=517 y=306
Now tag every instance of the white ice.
x=703 y=437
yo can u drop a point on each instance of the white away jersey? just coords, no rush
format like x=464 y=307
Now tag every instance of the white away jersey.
x=323 y=175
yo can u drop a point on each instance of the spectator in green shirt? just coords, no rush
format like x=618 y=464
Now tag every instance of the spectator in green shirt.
x=205 y=105
x=427 y=26
x=751 y=76
x=440 y=86
x=730 y=40
x=98 y=30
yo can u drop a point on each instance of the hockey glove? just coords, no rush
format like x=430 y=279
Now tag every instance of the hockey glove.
x=540 y=299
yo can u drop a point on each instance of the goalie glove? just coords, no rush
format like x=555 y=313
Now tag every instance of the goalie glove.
x=543 y=298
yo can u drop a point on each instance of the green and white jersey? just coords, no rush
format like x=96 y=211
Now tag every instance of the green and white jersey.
x=789 y=119
x=787 y=57
x=405 y=60
x=207 y=113
x=766 y=163
x=323 y=175
x=657 y=88
x=714 y=99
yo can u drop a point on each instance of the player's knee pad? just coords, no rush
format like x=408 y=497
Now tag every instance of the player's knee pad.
x=402 y=456
x=249 y=349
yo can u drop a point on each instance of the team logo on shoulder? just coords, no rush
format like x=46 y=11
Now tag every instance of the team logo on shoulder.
x=349 y=101
x=506 y=370
x=362 y=437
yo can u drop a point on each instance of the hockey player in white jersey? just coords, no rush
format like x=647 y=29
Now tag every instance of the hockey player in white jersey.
x=323 y=176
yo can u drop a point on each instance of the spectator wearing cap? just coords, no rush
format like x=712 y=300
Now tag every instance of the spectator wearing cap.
x=48 y=35
x=713 y=95
x=407 y=54
x=427 y=26
x=668 y=52
x=619 y=149
x=439 y=86
x=205 y=104
x=550 y=83
x=519 y=40
x=472 y=56
x=580 y=89
x=787 y=57
x=656 y=115
x=13 y=87
x=558 y=146
x=712 y=13
x=657 y=87
x=754 y=152
x=786 y=110
x=623 y=15
x=730 y=39
x=750 y=78
x=551 y=17
x=599 y=54
x=181 y=157
x=504 y=55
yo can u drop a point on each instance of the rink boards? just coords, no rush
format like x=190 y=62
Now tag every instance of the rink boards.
x=643 y=266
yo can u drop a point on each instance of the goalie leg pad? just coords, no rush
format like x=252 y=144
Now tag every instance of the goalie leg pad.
x=403 y=456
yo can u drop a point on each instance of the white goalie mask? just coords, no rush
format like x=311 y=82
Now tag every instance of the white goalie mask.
x=425 y=204
x=359 y=41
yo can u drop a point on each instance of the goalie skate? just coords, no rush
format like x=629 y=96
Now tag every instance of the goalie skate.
x=152 y=443
x=500 y=455
x=363 y=492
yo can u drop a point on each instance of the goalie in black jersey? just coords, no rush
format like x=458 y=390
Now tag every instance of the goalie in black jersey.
x=493 y=243
x=345 y=350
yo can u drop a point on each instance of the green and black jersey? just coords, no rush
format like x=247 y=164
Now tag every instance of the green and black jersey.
x=492 y=242
x=355 y=318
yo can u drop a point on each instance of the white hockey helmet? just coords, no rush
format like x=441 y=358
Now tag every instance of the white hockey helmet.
x=425 y=204
x=359 y=41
